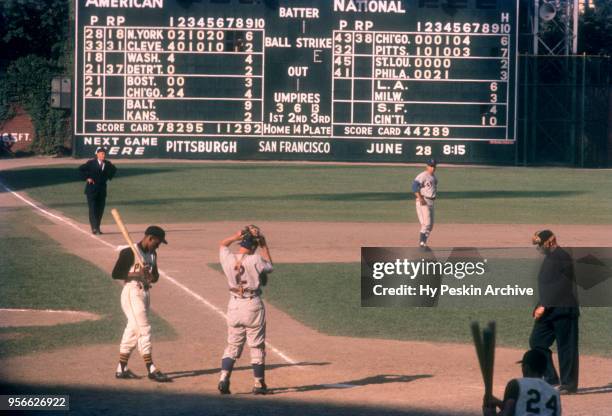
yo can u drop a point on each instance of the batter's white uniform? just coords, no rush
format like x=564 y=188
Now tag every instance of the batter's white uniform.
x=427 y=184
x=536 y=398
x=135 y=302
x=246 y=315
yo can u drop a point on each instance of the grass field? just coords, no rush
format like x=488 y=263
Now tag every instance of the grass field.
x=326 y=297
x=323 y=296
x=191 y=192
x=38 y=274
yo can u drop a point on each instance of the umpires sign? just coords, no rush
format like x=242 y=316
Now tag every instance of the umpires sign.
x=341 y=80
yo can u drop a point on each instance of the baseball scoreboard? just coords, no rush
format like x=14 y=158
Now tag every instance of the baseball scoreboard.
x=330 y=80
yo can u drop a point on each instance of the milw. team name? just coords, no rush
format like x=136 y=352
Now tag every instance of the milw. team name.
x=126 y=4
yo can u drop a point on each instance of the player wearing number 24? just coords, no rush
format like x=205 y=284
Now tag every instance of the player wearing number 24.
x=529 y=395
x=96 y=172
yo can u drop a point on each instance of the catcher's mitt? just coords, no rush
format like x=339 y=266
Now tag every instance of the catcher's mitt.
x=251 y=237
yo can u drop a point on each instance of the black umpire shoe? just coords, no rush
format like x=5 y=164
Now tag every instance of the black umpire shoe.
x=260 y=389
x=159 y=377
x=224 y=386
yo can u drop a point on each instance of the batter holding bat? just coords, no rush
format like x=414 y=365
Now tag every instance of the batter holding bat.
x=137 y=266
x=529 y=395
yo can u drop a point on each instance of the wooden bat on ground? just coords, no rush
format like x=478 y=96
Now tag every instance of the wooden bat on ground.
x=128 y=239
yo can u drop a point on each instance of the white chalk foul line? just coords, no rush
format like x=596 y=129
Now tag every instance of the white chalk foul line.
x=221 y=313
x=41 y=211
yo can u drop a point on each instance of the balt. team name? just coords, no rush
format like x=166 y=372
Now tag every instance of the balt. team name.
x=370 y=6
x=127 y=4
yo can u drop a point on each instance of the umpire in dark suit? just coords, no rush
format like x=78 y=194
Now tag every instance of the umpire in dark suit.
x=96 y=172
x=556 y=316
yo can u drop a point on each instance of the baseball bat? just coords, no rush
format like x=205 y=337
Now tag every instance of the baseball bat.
x=489 y=350
x=128 y=239
x=479 y=347
x=485 y=350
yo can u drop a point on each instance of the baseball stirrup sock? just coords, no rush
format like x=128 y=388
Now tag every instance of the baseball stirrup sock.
x=123 y=360
x=259 y=371
x=227 y=364
x=148 y=359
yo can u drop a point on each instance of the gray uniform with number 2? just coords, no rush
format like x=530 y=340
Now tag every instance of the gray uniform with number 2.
x=246 y=315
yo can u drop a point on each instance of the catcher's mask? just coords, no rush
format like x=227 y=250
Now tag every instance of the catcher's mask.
x=250 y=237
x=541 y=237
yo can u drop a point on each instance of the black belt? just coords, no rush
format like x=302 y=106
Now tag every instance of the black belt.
x=241 y=292
x=433 y=199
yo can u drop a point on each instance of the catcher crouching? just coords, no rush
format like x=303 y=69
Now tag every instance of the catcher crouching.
x=246 y=273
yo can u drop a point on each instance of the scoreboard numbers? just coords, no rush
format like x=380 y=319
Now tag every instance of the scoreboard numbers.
x=331 y=80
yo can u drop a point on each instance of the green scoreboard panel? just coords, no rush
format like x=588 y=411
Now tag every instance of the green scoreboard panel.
x=329 y=80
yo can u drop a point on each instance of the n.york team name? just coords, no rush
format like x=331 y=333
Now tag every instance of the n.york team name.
x=126 y=4
x=369 y=6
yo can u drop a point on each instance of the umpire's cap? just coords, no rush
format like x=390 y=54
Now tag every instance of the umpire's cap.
x=156 y=231
x=540 y=237
x=536 y=360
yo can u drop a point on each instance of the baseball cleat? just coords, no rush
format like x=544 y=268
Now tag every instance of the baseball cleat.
x=260 y=389
x=125 y=374
x=422 y=244
x=223 y=386
x=159 y=377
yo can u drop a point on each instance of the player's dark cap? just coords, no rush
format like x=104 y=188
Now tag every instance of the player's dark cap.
x=100 y=149
x=156 y=231
x=540 y=237
x=432 y=162
x=536 y=360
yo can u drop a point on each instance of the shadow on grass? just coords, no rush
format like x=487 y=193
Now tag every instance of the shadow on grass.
x=22 y=179
x=117 y=400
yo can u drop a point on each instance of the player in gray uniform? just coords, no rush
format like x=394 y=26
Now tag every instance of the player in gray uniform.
x=425 y=187
x=529 y=395
x=246 y=273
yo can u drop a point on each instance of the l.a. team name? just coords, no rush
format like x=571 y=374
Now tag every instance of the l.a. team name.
x=126 y=4
x=369 y=6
